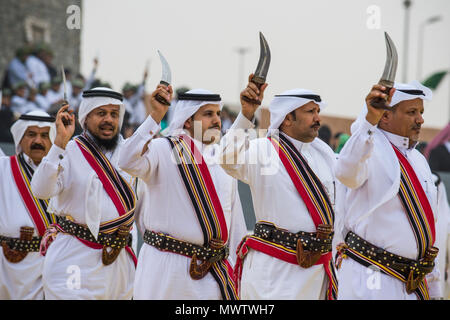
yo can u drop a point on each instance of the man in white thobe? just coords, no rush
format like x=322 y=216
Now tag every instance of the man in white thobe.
x=72 y=269
x=22 y=278
x=369 y=167
x=295 y=115
x=168 y=208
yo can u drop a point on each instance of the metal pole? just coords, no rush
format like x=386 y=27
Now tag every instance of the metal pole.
x=420 y=53
x=421 y=41
x=407 y=4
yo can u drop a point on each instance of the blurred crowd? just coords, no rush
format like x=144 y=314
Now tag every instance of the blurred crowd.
x=33 y=82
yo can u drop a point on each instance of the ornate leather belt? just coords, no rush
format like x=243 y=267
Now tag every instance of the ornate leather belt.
x=16 y=249
x=214 y=252
x=112 y=243
x=414 y=271
x=309 y=245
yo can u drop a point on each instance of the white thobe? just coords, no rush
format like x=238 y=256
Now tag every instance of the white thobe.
x=53 y=96
x=19 y=104
x=275 y=199
x=368 y=166
x=38 y=69
x=443 y=236
x=17 y=71
x=42 y=102
x=167 y=208
x=22 y=280
x=72 y=270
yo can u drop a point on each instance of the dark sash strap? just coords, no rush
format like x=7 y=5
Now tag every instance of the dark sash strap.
x=116 y=187
x=120 y=192
x=202 y=192
x=37 y=208
x=306 y=182
x=416 y=204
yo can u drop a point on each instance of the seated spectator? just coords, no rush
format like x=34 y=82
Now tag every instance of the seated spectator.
x=19 y=98
x=53 y=94
x=6 y=116
x=17 y=70
x=41 y=97
x=325 y=134
x=438 y=151
x=36 y=64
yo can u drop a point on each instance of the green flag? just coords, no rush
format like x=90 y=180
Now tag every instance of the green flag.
x=434 y=80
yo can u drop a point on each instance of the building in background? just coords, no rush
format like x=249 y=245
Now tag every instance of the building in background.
x=37 y=21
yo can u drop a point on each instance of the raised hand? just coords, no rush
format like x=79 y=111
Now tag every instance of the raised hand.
x=251 y=92
x=65 y=126
x=374 y=114
x=158 y=109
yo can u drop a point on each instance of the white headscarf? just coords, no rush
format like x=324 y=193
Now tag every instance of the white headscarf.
x=398 y=96
x=286 y=102
x=20 y=126
x=90 y=103
x=184 y=109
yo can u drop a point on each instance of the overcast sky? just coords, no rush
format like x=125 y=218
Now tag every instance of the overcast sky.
x=329 y=46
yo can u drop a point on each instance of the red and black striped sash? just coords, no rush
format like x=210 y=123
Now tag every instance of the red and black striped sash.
x=317 y=202
x=417 y=209
x=416 y=204
x=120 y=192
x=37 y=208
x=202 y=192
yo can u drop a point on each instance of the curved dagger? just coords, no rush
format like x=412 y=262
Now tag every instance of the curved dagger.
x=260 y=74
x=390 y=69
x=166 y=78
x=264 y=61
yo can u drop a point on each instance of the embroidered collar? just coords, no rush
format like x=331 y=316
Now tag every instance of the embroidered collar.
x=402 y=143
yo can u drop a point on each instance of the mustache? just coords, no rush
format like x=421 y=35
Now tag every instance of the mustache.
x=417 y=127
x=316 y=124
x=106 y=126
x=37 y=146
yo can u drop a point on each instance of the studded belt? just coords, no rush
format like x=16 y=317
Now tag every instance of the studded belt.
x=165 y=242
x=105 y=239
x=309 y=240
x=22 y=245
x=370 y=252
x=16 y=249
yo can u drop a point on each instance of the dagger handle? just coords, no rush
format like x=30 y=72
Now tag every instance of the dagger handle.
x=161 y=99
x=380 y=103
x=259 y=82
x=64 y=121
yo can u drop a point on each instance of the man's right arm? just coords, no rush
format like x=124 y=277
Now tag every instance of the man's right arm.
x=47 y=180
x=234 y=144
x=133 y=158
x=352 y=165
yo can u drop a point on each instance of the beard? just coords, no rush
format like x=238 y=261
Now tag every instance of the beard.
x=108 y=144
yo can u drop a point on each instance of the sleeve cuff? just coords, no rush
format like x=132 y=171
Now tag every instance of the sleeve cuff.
x=242 y=122
x=368 y=128
x=148 y=128
x=55 y=154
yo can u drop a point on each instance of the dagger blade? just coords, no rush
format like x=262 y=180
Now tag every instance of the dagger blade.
x=264 y=58
x=390 y=67
x=166 y=77
x=63 y=75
